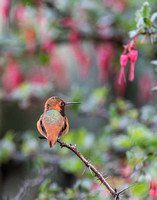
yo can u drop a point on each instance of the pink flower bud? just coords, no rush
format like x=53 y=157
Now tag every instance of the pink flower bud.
x=152 y=193
x=123 y=60
x=120 y=87
x=121 y=76
x=133 y=54
x=12 y=77
x=123 y=63
x=74 y=36
x=132 y=69
x=68 y=22
x=5 y=9
x=19 y=12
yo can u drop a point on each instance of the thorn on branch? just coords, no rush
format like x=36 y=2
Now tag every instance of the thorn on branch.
x=92 y=168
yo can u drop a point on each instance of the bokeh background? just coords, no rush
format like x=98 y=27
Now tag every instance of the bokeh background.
x=71 y=49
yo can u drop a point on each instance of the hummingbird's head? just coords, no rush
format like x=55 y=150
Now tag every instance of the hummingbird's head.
x=57 y=104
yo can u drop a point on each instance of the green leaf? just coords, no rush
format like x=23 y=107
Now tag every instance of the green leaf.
x=146 y=10
x=142 y=16
x=135 y=156
x=44 y=186
x=138 y=15
x=71 y=164
x=152 y=169
x=85 y=185
x=152 y=144
x=123 y=142
x=53 y=188
x=133 y=113
x=147 y=21
x=140 y=189
x=101 y=92
x=151 y=157
x=140 y=135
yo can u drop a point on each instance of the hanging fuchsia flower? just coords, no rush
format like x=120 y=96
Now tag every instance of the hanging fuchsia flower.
x=153 y=189
x=59 y=71
x=19 y=12
x=82 y=58
x=68 y=22
x=144 y=93
x=74 y=37
x=30 y=40
x=119 y=89
x=130 y=53
x=5 y=7
x=103 y=64
x=117 y=5
x=12 y=77
x=39 y=76
x=38 y=2
x=133 y=54
x=105 y=54
x=48 y=45
x=123 y=63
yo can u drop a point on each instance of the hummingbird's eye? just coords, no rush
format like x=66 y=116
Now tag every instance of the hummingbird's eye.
x=61 y=103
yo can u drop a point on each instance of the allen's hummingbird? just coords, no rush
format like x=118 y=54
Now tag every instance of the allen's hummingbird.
x=53 y=123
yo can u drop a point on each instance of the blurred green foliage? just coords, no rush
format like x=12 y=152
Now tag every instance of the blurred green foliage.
x=127 y=132
x=123 y=146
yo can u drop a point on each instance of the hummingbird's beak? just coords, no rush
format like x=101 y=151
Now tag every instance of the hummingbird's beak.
x=68 y=103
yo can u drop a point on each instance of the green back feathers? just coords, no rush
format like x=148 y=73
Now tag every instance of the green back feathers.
x=52 y=117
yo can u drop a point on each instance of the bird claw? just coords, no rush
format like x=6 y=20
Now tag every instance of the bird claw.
x=42 y=137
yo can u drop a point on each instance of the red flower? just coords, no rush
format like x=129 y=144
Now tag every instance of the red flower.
x=105 y=54
x=117 y=5
x=68 y=22
x=5 y=7
x=103 y=64
x=144 y=93
x=153 y=189
x=133 y=54
x=39 y=76
x=119 y=89
x=48 y=45
x=30 y=40
x=59 y=71
x=38 y=2
x=12 y=77
x=74 y=37
x=83 y=59
x=19 y=12
x=123 y=63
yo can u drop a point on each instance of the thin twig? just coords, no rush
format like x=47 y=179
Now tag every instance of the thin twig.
x=31 y=183
x=100 y=177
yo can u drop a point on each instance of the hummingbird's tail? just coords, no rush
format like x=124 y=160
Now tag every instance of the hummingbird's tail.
x=51 y=140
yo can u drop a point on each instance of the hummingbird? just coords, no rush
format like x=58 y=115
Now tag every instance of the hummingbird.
x=53 y=123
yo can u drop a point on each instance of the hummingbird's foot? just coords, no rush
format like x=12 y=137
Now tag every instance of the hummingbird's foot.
x=42 y=137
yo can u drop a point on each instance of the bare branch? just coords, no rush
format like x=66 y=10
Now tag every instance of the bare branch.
x=100 y=177
x=31 y=183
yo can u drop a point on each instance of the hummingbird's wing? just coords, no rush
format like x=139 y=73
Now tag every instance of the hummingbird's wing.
x=52 y=123
x=65 y=128
x=41 y=128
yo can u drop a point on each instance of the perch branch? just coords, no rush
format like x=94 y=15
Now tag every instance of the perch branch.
x=100 y=177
